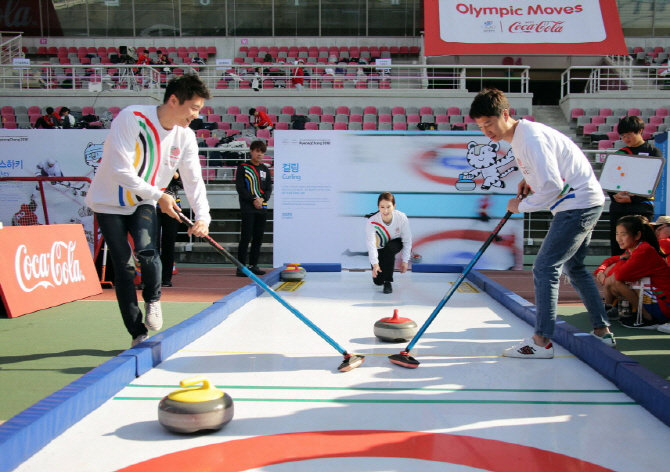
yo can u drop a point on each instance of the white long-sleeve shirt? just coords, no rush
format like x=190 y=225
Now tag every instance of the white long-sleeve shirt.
x=557 y=171
x=378 y=233
x=138 y=161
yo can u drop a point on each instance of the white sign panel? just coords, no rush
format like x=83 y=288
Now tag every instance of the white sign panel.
x=521 y=21
x=223 y=62
x=638 y=175
x=326 y=181
x=21 y=62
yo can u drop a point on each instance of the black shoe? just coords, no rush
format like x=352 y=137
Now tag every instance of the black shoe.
x=631 y=322
x=256 y=271
x=239 y=273
x=166 y=284
x=387 y=287
x=139 y=286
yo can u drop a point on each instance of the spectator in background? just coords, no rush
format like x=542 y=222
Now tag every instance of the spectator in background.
x=162 y=59
x=253 y=183
x=297 y=76
x=49 y=121
x=67 y=119
x=143 y=58
x=630 y=128
x=662 y=229
x=260 y=119
x=256 y=79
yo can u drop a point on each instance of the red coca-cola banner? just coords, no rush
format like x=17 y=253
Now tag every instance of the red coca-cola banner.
x=523 y=27
x=44 y=266
x=24 y=16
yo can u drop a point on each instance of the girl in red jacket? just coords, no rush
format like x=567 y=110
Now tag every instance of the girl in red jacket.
x=642 y=257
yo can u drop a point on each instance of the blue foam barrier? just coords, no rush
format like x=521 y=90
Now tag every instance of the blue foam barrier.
x=320 y=267
x=521 y=307
x=648 y=389
x=437 y=268
x=600 y=357
x=146 y=355
x=29 y=431
x=175 y=338
x=645 y=387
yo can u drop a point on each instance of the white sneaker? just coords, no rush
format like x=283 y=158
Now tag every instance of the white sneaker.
x=527 y=349
x=153 y=316
x=140 y=339
x=607 y=339
x=664 y=328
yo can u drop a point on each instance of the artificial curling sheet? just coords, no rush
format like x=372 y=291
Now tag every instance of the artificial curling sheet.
x=464 y=408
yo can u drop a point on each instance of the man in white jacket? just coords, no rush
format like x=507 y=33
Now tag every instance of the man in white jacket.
x=557 y=177
x=145 y=146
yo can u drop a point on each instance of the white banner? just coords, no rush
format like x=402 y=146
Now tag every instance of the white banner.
x=26 y=153
x=521 y=21
x=454 y=188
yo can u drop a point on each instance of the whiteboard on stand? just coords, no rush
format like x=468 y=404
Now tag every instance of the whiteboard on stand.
x=637 y=175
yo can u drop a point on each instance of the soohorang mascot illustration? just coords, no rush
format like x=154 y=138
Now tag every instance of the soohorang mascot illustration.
x=485 y=161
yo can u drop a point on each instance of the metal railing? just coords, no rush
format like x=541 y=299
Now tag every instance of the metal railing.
x=370 y=77
x=616 y=78
x=10 y=46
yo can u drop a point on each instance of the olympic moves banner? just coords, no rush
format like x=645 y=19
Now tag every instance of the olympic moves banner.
x=453 y=186
x=513 y=27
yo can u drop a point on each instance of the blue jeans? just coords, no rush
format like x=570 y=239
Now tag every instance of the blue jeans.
x=565 y=247
x=141 y=226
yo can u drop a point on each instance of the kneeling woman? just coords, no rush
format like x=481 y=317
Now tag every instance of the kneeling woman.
x=387 y=233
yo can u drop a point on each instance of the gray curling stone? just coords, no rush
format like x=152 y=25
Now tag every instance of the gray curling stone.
x=195 y=409
x=395 y=329
x=465 y=185
x=293 y=273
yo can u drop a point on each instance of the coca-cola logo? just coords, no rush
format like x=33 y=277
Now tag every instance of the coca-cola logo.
x=49 y=269
x=14 y=16
x=532 y=27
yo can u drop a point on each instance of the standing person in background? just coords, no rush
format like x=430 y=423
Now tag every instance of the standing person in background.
x=630 y=129
x=387 y=233
x=145 y=146
x=297 y=76
x=167 y=229
x=557 y=177
x=253 y=183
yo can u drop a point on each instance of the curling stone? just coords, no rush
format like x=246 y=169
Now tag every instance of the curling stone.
x=416 y=258
x=293 y=273
x=195 y=409
x=395 y=329
x=465 y=185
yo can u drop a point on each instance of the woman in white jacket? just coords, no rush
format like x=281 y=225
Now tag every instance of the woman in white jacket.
x=387 y=233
